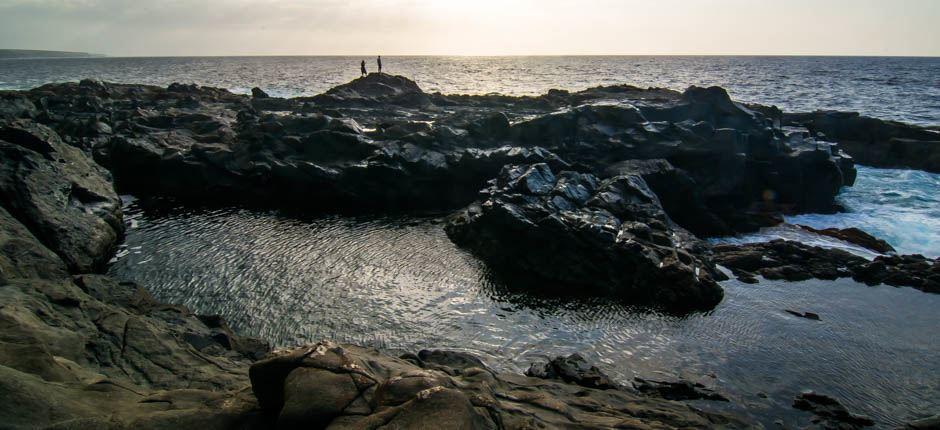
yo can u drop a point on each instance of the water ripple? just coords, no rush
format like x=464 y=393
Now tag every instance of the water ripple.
x=400 y=284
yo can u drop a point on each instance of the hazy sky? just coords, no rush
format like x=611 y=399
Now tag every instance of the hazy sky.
x=477 y=27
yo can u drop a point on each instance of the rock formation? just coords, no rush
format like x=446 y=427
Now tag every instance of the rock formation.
x=794 y=261
x=602 y=188
x=872 y=141
x=82 y=350
x=570 y=229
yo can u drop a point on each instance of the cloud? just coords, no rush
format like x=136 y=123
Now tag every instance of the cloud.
x=233 y=27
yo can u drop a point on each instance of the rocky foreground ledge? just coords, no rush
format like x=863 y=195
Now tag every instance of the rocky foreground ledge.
x=575 y=187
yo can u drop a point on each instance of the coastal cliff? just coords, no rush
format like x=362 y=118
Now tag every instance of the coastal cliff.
x=570 y=187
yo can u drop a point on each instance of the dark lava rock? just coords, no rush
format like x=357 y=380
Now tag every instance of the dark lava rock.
x=381 y=143
x=739 y=161
x=258 y=93
x=828 y=413
x=875 y=142
x=854 y=235
x=807 y=315
x=681 y=197
x=572 y=369
x=608 y=237
x=676 y=390
x=374 y=89
x=794 y=261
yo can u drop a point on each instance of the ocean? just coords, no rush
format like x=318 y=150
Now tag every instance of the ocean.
x=903 y=89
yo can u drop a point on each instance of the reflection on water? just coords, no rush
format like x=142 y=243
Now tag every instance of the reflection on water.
x=399 y=283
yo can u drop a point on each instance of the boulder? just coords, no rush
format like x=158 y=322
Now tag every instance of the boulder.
x=608 y=237
x=572 y=369
x=62 y=196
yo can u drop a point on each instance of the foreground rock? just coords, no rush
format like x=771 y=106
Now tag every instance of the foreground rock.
x=337 y=387
x=572 y=230
x=794 y=261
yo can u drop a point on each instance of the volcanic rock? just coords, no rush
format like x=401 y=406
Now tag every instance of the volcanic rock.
x=610 y=237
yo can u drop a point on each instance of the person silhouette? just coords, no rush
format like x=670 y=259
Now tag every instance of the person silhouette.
x=379 y=61
x=362 y=66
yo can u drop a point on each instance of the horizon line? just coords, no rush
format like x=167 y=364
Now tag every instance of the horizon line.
x=491 y=55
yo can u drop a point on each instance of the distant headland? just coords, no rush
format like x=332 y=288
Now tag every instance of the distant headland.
x=35 y=53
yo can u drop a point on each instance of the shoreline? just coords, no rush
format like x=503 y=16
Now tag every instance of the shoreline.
x=314 y=153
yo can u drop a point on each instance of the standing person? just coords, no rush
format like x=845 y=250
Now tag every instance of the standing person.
x=379 y=60
x=363 y=67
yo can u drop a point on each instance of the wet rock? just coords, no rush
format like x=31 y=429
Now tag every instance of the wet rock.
x=572 y=369
x=828 y=413
x=875 y=142
x=794 y=261
x=681 y=198
x=854 y=235
x=676 y=390
x=258 y=93
x=807 y=315
x=608 y=237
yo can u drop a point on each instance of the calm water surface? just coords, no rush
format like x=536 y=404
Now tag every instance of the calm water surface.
x=906 y=89
x=400 y=284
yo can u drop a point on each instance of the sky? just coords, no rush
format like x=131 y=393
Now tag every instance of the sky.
x=476 y=27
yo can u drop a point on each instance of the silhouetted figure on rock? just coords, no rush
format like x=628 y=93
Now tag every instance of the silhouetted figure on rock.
x=362 y=66
x=379 y=61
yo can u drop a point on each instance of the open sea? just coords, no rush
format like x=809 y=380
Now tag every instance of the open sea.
x=399 y=284
x=904 y=89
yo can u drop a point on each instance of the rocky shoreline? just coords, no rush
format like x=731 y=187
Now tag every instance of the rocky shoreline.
x=567 y=188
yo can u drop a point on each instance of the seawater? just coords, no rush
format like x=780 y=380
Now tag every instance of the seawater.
x=905 y=89
x=899 y=206
x=399 y=284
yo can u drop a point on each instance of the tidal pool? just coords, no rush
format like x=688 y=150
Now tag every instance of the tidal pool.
x=399 y=284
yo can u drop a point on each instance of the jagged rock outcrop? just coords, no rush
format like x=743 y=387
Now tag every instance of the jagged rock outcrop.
x=336 y=149
x=572 y=230
x=794 y=261
x=739 y=161
x=874 y=142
